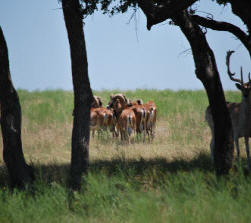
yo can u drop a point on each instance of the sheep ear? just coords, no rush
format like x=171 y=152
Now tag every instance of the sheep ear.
x=140 y=102
x=100 y=103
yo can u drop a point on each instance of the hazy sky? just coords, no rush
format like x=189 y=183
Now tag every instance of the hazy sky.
x=121 y=55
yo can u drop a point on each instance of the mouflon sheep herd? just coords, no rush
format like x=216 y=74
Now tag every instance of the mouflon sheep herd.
x=123 y=117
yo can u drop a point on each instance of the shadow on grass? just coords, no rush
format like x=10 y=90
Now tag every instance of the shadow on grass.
x=201 y=162
x=59 y=172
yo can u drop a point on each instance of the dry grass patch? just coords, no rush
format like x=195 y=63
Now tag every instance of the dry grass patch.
x=164 y=146
x=46 y=143
x=52 y=142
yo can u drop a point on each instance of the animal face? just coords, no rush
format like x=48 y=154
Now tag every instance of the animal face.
x=118 y=106
x=244 y=88
x=96 y=102
x=117 y=102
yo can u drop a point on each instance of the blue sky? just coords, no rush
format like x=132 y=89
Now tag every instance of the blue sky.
x=121 y=55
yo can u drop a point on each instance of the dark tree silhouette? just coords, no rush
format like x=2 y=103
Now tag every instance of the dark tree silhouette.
x=240 y=8
x=207 y=72
x=20 y=173
x=82 y=92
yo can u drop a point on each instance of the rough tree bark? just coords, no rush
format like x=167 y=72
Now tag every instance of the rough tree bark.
x=19 y=172
x=206 y=71
x=82 y=92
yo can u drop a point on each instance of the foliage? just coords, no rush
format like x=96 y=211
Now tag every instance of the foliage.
x=110 y=7
x=222 y=2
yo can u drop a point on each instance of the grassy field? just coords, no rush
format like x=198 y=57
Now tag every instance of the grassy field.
x=168 y=180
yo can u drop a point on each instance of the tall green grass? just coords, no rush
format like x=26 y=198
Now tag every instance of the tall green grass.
x=124 y=191
x=124 y=188
x=46 y=106
x=57 y=106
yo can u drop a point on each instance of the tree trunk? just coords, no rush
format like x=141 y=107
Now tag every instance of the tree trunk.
x=19 y=172
x=206 y=71
x=82 y=92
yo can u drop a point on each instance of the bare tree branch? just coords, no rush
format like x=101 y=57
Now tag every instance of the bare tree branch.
x=223 y=26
